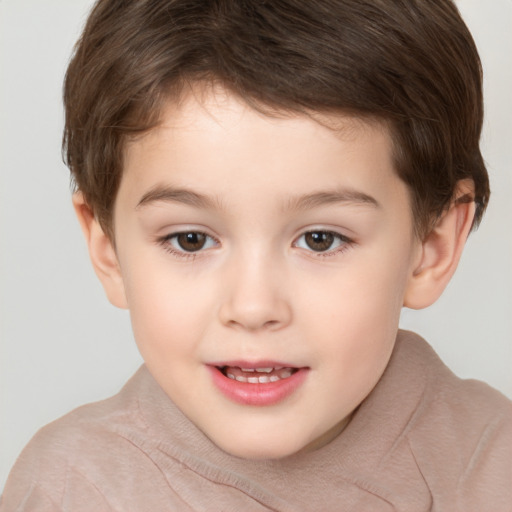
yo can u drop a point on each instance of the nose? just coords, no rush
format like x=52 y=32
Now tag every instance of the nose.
x=255 y=296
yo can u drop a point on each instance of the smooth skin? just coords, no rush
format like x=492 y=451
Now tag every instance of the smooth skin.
x=243 y=236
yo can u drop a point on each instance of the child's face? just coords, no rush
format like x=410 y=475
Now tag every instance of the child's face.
x=258 y=242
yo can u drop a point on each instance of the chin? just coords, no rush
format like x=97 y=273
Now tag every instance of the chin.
x=261 y=448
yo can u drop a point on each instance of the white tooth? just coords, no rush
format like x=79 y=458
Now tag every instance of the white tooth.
x=264 y=379
x=285 y=373
x=274 y=378
x=239 y=378
x=253 y=380
x=264 y=370
x=230 y=376
x=247 y=369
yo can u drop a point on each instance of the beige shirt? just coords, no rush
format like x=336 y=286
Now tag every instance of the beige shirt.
x=422 y=440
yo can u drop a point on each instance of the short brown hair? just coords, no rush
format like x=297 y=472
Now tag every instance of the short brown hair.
x=409 y=63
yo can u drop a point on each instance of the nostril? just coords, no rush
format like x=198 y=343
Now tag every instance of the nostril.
x=254 y=311
x=256 y=325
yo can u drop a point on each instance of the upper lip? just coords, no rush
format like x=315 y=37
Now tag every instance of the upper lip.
x=263 y=363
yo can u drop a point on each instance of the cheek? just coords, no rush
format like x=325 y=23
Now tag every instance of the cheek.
x=361 y=296
x=357 y=319
x=165 y=312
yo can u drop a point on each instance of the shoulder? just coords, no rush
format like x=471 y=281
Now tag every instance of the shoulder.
x=460 y=434
x=451 y=403
x=74 y=457
x=89 y=429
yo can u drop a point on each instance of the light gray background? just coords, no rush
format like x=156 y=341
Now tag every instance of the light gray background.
x=62 y=344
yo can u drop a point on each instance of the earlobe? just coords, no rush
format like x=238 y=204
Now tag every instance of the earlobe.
x=441 y=250
x=102 y=253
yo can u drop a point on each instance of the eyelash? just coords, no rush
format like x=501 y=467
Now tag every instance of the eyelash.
x=165 y=241
x=344 y=244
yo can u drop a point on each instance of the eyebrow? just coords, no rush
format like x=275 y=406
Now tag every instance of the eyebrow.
x=323 y=198
x=162 y=193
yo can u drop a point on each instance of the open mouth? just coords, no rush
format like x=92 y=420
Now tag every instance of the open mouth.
x=258 y=384
x=257 y=375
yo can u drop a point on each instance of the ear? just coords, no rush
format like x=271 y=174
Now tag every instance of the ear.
x=102 y=253
x=441 y=250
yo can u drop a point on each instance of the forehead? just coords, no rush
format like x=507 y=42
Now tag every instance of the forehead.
x=211 y=106
x=215 y=142
x=210 y=114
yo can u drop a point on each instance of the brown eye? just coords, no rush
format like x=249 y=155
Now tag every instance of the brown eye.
x=319 y=240
x=190 y=242
x=187 y=243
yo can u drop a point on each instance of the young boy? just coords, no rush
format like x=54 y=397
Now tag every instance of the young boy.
x=264 y=185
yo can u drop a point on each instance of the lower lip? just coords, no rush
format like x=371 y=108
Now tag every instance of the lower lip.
x=259 y=394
